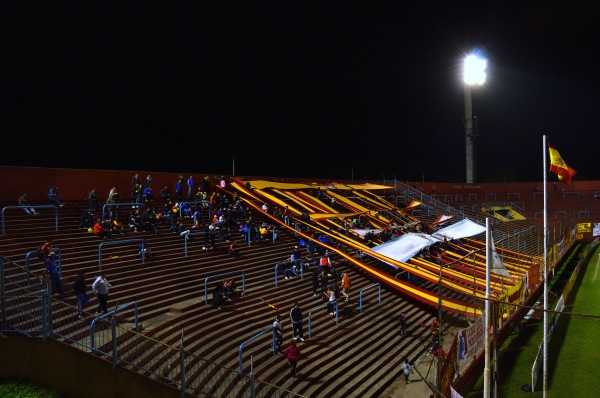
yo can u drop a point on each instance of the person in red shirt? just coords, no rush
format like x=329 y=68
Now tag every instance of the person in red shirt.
x=293 y=354
x=100 y=231
x=46 y=249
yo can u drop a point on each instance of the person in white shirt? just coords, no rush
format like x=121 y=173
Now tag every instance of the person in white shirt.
x=100 y=287
x=331 y=303
x=278 y=330
x=406 y=369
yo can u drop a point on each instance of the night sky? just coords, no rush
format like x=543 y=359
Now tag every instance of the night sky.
x=321 y=89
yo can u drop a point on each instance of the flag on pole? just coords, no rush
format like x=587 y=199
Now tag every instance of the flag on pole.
x=497 y=264
x=559 y=166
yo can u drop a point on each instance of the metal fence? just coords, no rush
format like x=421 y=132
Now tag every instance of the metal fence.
x=28 y=309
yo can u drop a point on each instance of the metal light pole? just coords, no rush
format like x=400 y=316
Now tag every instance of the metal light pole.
x=474 y=74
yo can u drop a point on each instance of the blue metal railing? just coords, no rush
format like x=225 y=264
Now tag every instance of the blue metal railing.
x=360 y=296
x=337 y=319
x=241 y=349
x=108 y=315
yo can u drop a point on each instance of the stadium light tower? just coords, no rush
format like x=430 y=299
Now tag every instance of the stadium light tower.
x=473 y=75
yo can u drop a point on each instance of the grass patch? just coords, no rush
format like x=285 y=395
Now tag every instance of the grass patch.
x=21 y=388
x=572 y=349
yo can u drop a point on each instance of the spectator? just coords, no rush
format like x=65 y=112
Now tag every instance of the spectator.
x=144 y=250
x=222 y=182
x=297 y=255
x=80 y=288
x=190 y=190
x=135 y=181
x=278 y=332
x=196 y=216
x=218 y=298
x=325 y=263
x=289 y=270
x=406 y=369
x=117 y=226
x=180 y=229
x=205 y=186
x=315 y=281
x=165 y=194
x=186 y=211
x=345 y=285
x=53 y=196
x=402 y=324
x=149 y=181
x=229 y=289
x=212 y=205
x=292 y=354
x=100 y=287
x=179 y=190
x=134 y=220
x=54 y=274
x=265 y=208
x=296 y=320
x=111 y=201
x=233 y=251
x=148 y=197
x=331 y=302
x=87 y=220
x=101 y=231
x=435 y=342
x=46 y=249
x=137 y=194
x=24 y=201
x=93 y=200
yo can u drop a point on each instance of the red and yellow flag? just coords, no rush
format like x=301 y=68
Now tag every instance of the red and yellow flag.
x=558 y=166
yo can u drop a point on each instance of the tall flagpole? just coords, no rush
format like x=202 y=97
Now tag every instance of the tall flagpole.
x=545 y=354
x=486 y=333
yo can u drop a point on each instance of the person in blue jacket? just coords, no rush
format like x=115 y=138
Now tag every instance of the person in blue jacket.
x=54 y=274
x=53 y=196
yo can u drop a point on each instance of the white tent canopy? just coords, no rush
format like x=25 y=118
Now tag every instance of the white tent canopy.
x=462 y=229
x=408 y=245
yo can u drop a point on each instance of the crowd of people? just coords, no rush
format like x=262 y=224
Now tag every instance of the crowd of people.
x=184 y=213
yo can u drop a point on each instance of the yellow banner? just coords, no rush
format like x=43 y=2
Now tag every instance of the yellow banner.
x=584 y=227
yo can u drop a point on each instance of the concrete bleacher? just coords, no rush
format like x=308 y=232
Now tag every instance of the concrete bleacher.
x=363 y=350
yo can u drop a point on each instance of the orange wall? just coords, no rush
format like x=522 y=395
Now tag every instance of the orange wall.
x=75 y=184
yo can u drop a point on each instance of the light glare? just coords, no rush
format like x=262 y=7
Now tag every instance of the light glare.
x=474 y=72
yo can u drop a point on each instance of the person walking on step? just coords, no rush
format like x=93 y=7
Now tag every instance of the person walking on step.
x=80 y=287
x=402 y=324
x=345 y=285
x=100 y=287
x=296 y=319
x=293 y=354
x=407 y=370
x=278 y=331
x=315 y=281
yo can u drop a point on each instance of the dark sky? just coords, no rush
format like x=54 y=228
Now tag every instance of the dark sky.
x=322 y=89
